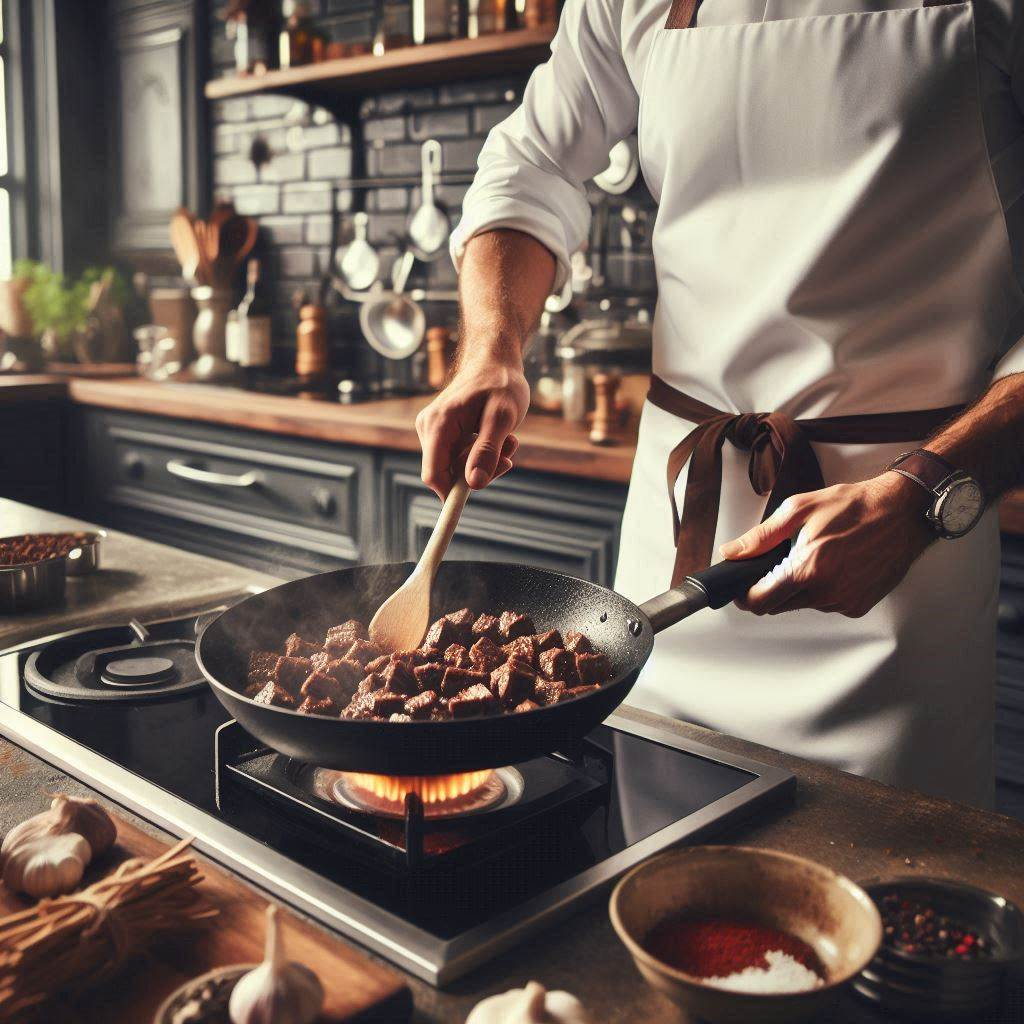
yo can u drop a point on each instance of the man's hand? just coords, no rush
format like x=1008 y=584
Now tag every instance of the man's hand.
x=479 y=410
x=855 y=544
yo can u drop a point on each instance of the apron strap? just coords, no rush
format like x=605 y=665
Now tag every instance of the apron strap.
x=683 y=13
x=782 y=461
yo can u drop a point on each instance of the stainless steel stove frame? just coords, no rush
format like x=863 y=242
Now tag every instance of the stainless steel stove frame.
x=412 y=949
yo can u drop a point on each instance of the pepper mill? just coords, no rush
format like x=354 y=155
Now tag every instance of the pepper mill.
x=439 y=341
x=311 y=356
x=604 y=428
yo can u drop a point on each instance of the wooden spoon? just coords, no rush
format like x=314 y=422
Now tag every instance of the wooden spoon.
x=402 y=620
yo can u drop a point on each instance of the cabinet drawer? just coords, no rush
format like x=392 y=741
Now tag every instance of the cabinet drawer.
x=526 y=518
x=276 y=489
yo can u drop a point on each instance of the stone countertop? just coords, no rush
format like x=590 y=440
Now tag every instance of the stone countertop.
x=137 y=578
x=856 y=826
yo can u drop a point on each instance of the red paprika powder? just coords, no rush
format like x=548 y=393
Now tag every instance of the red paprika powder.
x=715 y=948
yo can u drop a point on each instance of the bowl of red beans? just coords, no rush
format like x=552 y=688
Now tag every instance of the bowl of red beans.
x=946 y=949
x=35 y=566
x=734 y=934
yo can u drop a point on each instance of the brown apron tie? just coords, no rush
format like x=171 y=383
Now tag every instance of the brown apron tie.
x=683 y=13
x=782 y=461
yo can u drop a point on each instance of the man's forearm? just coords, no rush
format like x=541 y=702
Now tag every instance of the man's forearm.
x=988 y=439
x=504 y=280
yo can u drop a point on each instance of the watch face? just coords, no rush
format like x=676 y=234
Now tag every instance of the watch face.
x=960 y=508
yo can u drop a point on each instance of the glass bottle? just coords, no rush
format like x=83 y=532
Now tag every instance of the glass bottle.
x=431 y=20
x=297 y=37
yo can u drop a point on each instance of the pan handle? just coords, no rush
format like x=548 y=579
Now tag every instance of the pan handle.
x=713 y=587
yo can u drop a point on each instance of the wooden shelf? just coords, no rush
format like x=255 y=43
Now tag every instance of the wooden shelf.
x=458 y=59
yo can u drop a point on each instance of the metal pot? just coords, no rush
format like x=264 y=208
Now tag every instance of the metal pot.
x=25 y=588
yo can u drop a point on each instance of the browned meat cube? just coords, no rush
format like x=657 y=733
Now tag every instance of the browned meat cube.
x=462 y=620
x=593 y=668
x=455 y=680
x=475 y=700
x=320 y=687
x=488 y=626
x=292 y=672
x=428 y=677
x=361 y=707
x=374 y=681
x=363 y=651
x=524 y=648
x=579 y=691
x=383 y=703
x=513 y=625
x=422 y=704
x=578 y=643
x=458 y=657
x=513 y=683
x=441 y=634
x=399 y=679
x=262 y=670
x=486 y=655
x=297 y=647
x=549 y=691
x=546 y=641
x=440 y=712
x=353 y=629
x=557 y=664
x=378 y=663
x=429 y=655
x=526 y=705
x=312 y=706
x=345 y=670
x=276 y=695
x=399 y=718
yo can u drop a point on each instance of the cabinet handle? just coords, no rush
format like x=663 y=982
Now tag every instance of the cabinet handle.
x=206 y=476
x=323 y=502
x=134 y=464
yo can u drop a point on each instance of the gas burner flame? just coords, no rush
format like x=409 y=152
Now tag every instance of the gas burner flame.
x=441 y=795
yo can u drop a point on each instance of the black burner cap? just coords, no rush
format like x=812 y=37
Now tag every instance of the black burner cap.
x=137 y=671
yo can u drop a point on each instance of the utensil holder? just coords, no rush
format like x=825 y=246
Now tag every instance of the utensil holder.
x=209 y=333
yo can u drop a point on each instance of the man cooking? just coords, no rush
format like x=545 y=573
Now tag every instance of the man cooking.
x=840 y=251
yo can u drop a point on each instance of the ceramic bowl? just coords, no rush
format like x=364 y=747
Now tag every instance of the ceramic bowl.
x=827 y=911
x=217 y=984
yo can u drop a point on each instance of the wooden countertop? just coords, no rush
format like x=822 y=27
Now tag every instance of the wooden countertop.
x=33 y=387
x=547 y=443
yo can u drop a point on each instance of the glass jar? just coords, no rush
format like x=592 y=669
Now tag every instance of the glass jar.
x=431 y=21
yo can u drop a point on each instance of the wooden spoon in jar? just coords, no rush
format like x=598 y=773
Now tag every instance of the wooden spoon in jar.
x=402 y=620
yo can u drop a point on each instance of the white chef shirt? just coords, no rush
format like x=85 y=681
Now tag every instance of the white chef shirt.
x=534 y=165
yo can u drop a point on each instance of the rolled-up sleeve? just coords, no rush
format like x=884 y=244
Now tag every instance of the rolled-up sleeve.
x=534 y=164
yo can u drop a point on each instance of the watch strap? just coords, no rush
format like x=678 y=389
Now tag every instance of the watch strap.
x=926 y=468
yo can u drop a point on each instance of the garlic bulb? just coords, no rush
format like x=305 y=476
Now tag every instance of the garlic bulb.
x=530 y=1005
x=47 y=865
x=66 y=814
x=88 y=819
x=276 y=992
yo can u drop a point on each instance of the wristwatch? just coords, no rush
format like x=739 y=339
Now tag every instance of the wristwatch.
x=957 y=500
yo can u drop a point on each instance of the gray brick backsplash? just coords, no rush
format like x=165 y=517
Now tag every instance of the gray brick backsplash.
x=225 y=139
x=331 y=164
x=253 y=200
x=385 y=129
x=318 y=229
x=282 y=230
x=307 y=197
x=387 y=200
x=231 y=110
x=294 y=263
x=488 y=91
x=394 y=161
x=460 y=155
x=485 y=118
x=343 y=199
x=267 y=107
x=234 y=170
x=317 y=136
x=285 y=167
x=439 y=124
x=385 y=227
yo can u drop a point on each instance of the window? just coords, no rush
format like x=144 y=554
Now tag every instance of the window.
x=5 y=184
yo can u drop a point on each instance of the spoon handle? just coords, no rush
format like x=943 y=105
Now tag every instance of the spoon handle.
x=444 y=528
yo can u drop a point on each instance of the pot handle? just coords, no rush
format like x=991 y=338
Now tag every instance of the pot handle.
x=714 y=587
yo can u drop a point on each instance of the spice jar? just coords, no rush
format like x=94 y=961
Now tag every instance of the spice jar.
x=485 y=17
x=439 y=343
x=311 y=355
x=431 y=20
x=298 y=37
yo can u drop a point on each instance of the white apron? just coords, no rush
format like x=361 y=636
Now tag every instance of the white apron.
x=829 y=242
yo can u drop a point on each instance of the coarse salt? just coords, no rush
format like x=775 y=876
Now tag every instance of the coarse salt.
x=783 y=974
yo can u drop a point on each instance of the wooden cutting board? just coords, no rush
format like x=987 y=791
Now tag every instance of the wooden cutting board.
x=356 y=988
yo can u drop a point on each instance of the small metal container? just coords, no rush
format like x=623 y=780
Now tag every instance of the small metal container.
x=928 y=988
x=36 y=585
x=86 y=557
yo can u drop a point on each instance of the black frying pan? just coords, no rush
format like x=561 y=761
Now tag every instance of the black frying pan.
x=619 y=628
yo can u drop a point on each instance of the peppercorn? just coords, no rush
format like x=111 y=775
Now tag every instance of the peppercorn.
x=911 y=926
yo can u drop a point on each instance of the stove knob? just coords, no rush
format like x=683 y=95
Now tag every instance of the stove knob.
x=134 y=465
x=324 y=503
